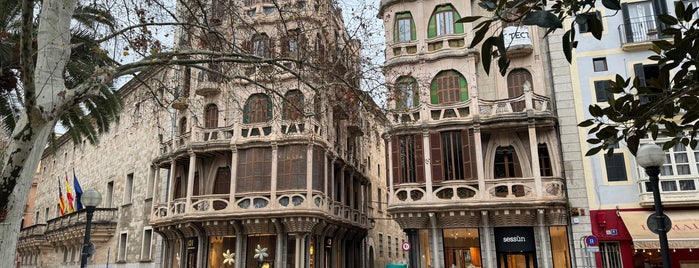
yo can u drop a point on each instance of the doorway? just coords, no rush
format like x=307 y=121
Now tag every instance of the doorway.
x=517 y=260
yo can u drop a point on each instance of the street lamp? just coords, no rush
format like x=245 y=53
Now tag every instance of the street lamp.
x=651 y=157
x=90 y=198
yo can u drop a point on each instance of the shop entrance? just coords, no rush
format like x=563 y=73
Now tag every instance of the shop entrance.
x=515 y=247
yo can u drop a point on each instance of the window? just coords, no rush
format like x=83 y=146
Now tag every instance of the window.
x=506 y=163
x=379 y=199
x=676 y=161
x=320 y=48
x=601 y=92
x=404 y=30
x=545 y=169
x=291 y=167
x=610 y=253
x=452 y=155
x=517 y=81
x=448 y=87
x=407 y=93
x=408 y=163
x=260 y=45
x=121 y=254
x=258 y=109
x=616 y=167
x=211 y=116
x=128 y=188
x=146 y=245
x=442 y=22
x=110 y=194
x=390 y=247
x=183 y=125
x=380 y=245
x=599 y=64
x=293 y=105
x=222 y=182
x=269 y=10
x=640 y=21
x=646 y=74
x=584 y=24
x=292 y=43
x=254 y=170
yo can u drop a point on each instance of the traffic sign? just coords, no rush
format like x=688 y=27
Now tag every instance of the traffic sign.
x=591 y=241
x=653 y=225
x=406 y=246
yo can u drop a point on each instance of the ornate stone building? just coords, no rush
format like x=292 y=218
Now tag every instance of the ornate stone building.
x=475 y=174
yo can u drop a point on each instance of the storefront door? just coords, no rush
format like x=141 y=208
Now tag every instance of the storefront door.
x=515 y=247
x=517 y=260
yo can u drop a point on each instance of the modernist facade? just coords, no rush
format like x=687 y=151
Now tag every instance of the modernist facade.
x=263 y=169
x=619 y=198
x=475 y=175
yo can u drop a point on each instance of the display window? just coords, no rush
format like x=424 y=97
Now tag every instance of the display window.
x=222 y=251
x=461 y=248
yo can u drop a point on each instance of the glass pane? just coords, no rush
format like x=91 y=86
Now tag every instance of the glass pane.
x=668 y=186
x=683 y=169
x=424 y=238
x=649 y=187
x=559 y=247
x=461 y=247
x=687 y=185
x=404 y=30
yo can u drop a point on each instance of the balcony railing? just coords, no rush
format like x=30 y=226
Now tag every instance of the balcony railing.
x=221 y=205
x=674 y=191
x=637 y=30
x=70 y=228
x=467 y=191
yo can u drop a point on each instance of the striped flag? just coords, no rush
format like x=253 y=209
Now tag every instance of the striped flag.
x=71 y=201
x=61 y=202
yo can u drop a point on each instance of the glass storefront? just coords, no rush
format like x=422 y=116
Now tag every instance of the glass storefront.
x=559 y=246
x=261 y=250
x=461 y=248
x=425 y=260
x=222 y=251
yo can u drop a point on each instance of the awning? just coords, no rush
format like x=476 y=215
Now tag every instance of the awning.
x=684 y=233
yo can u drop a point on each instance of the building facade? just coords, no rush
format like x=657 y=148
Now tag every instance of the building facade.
x=274 y=161
x=618 y=195
x=475 y=174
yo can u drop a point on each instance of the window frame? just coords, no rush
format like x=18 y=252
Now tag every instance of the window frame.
x=400 y=33
x=442 y=93
x=254 y=110
x=407 y=93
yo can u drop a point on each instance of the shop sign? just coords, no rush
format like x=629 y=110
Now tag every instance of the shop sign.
x=514 y=36
x=514 y=239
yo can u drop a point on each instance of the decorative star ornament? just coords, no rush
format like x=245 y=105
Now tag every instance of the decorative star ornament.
x=228 y=257
x=260 y=253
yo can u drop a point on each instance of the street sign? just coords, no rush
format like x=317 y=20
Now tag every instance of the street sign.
x=652 y=223
x=406 y=246
x=591 y=241
x=592 y=249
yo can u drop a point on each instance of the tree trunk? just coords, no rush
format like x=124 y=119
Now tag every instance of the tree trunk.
x=44 y=102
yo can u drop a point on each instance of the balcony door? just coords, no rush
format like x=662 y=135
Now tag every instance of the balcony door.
x=641 y=22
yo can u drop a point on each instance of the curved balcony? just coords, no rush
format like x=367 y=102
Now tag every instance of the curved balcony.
x=462 y=193
x=528 y=104
x=254 y=205
x=31 y=237
x=70 y=229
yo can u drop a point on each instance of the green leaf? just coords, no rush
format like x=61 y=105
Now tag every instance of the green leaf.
x=596 y=27
x=667 y=19
x=612 y=4
x=679 y=9
x=542 y=19
x=567 y=48
x=468 y=19
x=593 y=151
x=480 y=34
x=486 y=53
x=586 y=123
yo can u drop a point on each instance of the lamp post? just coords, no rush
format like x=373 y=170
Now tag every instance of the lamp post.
x=90 y=198
x=651 y=157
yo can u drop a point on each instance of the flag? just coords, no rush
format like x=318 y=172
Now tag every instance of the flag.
x=70 y=207
x=61 y=202
x=78 y=192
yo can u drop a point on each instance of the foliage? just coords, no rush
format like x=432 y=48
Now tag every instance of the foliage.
x=639 y=109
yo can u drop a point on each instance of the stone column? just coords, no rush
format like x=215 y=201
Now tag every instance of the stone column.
x=234 y=172
x=273 y=177
x=170 y=191
x=486 y=235
x=480 y=168
x=427 y=155
x=190 y=180
x=534 y=154
x=543 y=237
x=309 y=176
x=389 y=147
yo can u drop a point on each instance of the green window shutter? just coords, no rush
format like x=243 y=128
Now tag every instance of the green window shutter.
x=463 y=85
x=432 y=27
x=434 y=98
x=246 y=112
x=458 y=27
x=416 y=92
x=269 y=107
x=413 y=32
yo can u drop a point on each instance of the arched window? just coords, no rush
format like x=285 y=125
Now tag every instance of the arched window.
x=211 y=116
x=183 y=125
x=516 y=80
x=293 y=105
x=261 y=45
x=404 y=29
x=507 y=163
x=406 y=93
x=448 y=87
x=442 y=22
x=545 y=168
x=293 y=43
x=258 y=109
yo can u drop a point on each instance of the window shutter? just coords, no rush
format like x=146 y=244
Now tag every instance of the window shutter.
x=269 y=108
x=638 y=72
x=270 y=47
x=627 y=22
x=436 y=155
x=395 y=160
x=284 y=42
x=601 y=90
x=468 y=153
x=247 y=46
x=419 y=158
x=246 y=112
x=222 y=185
x=195 y=190
x=515 y=160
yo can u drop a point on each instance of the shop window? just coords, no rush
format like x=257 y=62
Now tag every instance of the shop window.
x=545 y=169
x=560 y=250
x=407 y=95
x=222 y=251
x=601 y=90
x=461 y=247
x=442 y=22
x=507 y=163
x=448 y=87
x=599 y=64
x=610 y=254
x=258 y=109
x=425 y=252
x=453 y=155
x=404 y=29
x=291 y=167
x=615 y=167
x=261 y=243
x=584 y=24
x=293 y=105
x=211 y=116
x=254 y=170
